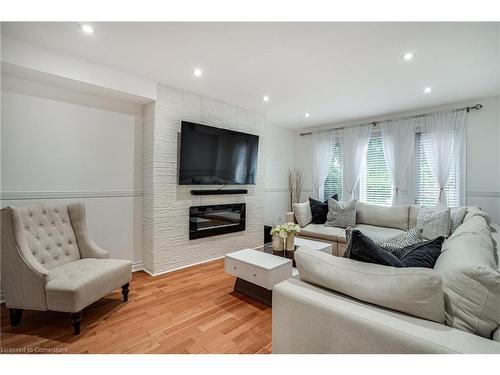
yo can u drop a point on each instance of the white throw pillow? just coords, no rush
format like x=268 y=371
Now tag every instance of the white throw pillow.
x=415 y=291
x=434 y=221
x=302 y=212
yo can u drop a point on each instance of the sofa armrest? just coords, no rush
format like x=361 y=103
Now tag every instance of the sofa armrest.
x=86 y=245
x=289 y=217
x=308 y=319
x=23 y=278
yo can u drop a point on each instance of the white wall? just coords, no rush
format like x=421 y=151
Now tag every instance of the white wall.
x=279 y=158
x=483 y=155
x=63 y=146
x=166 y=225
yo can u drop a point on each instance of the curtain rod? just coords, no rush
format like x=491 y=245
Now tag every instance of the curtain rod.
x=476 y=107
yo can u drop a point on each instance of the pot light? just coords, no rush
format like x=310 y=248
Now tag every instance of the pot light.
x=407 y=56
x=265 y=98
x=86 y=28
x=428 y=90
x=197 y=72
x=307 y=114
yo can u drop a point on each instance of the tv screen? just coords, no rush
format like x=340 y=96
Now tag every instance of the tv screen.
x=214 y=156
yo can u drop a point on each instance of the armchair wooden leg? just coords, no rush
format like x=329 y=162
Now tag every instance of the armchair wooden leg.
x=77 y=319
x=125 y=292
x=15 y=316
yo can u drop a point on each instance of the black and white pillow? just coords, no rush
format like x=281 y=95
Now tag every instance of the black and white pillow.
x=410 y=237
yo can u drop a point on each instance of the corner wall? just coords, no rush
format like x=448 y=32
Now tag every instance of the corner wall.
x=166 y=204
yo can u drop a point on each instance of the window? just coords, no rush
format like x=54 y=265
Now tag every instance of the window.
x=333 y=183
x=427 y=188
x=375 y=182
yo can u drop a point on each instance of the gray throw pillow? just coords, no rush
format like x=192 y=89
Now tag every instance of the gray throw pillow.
x=457 y=217
x=434 y=221
x=341 y=214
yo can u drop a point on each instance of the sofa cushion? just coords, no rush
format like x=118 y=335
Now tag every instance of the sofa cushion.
x=324 y=232
x=302 y=213
x=412 y=216
x=341 y=214
x=457 y=215
x=319 y=210
x=471 y=280
x=476 y=211
x=378 y=234
x=415 y=291
x=389 y=217
x=434 y=221
x=73 y=286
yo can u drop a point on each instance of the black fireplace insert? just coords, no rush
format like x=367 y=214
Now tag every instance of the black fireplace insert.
x=207 y=221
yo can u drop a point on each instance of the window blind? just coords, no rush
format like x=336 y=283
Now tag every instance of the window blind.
x=375 y=182
x=333 y=183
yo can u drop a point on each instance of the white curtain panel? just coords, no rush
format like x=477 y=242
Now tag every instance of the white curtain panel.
x=322 y=145
x=398 y=138
x=446 y=134
x=354 y=146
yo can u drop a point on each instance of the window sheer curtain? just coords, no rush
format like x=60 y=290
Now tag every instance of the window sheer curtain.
x=322 y=144
x=354 y=144
x=398 y=138
x=446 y=133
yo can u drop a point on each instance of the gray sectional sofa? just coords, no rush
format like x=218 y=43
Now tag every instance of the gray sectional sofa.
x=339 y=305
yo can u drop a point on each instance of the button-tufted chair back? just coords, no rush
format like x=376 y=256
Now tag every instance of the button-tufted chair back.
x=48 y=233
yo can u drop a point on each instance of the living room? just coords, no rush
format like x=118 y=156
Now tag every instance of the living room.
x=250 y=187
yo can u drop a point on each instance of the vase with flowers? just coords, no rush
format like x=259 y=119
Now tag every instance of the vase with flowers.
x=284 y=235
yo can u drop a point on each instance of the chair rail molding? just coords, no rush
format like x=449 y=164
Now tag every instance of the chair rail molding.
x=24 y=195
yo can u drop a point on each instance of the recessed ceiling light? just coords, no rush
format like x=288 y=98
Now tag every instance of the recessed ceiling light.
x=86 y=28
x=197 y=72
x=307 y=114
x=407 y=56
x=428 y=90
x=265 y=98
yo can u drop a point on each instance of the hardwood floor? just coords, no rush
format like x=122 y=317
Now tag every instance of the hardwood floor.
x=193 y=310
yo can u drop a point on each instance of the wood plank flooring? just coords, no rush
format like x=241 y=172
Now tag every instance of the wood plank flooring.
x=193 y=310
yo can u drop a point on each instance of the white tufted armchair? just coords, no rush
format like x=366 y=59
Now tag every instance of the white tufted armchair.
x=49 y=262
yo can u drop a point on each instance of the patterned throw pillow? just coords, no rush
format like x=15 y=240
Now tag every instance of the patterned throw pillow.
x=341 y=214
x=434 y=221
x=410 y=237
x=348 y=240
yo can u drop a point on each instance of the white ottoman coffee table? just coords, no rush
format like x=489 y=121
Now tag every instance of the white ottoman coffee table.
x=257 y=272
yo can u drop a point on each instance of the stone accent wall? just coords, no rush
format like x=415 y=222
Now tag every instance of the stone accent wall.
x=166 y=204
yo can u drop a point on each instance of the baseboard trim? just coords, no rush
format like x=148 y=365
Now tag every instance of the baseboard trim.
x=137 y=266
x=25 y=195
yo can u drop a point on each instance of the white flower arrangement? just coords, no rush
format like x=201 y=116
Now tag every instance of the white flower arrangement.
x=285 y=229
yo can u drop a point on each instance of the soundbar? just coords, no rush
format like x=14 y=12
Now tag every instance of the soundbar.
x=219 y=192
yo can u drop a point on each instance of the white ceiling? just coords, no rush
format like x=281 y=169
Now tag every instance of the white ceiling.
x=334 y=71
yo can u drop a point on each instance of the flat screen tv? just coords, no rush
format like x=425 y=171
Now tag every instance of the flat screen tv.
x=214 y=156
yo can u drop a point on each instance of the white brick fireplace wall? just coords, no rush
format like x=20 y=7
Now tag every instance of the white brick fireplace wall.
x=166 y=204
